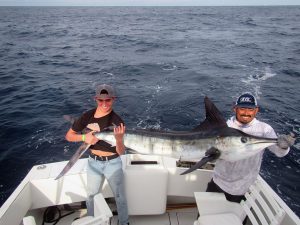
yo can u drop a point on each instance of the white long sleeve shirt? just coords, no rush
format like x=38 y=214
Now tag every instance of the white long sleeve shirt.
x=236 y=177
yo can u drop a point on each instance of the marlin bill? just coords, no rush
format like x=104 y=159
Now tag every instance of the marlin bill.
x=210 y=140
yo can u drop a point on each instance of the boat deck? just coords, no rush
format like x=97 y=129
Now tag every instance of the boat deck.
x=176 y=216
x=171 y=217
x=184 y=214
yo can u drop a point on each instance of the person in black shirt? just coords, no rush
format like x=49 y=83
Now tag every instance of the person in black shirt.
x=104 y=160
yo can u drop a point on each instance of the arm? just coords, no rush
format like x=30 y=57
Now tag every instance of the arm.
x=279 y=152
x=74 y=136
x=119 y=134
x=283 y=145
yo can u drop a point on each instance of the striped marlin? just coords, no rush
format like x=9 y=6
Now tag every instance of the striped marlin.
x=209 y=141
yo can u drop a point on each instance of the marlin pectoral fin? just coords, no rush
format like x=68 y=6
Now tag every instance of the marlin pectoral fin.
x=80 y=151
x=210 y=155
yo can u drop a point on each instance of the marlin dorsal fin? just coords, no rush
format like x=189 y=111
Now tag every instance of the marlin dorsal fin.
x=214 y=117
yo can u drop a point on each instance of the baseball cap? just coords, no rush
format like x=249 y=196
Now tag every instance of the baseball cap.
x=105 y=91
x=246 y=100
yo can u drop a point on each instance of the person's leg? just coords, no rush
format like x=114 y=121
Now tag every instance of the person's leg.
x=115 y=177
x=213 y=187
x=234 y=198
x=95 y=181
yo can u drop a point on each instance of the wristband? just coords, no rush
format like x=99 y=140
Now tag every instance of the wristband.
x=83 y=137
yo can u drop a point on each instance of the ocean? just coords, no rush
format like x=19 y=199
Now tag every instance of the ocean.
x=162 y=62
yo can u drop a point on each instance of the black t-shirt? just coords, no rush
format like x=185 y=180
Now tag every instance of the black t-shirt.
x=112 y=119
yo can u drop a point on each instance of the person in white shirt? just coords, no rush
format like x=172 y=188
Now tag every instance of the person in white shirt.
x=234 y=178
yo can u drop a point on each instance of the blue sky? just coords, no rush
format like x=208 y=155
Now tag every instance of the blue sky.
x=144 y=2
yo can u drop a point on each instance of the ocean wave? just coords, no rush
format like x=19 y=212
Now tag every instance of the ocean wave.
x=255 y=80
x=250 y=45
x=291 y=72
x=249 y=22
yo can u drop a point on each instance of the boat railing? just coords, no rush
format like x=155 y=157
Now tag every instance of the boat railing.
x=259 y=206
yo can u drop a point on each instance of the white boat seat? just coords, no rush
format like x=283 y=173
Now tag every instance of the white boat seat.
x=102 y=213
x=29 y=220
x=259 y=206
x=223 y=218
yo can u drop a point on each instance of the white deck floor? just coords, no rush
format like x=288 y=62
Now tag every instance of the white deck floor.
x=185 y=216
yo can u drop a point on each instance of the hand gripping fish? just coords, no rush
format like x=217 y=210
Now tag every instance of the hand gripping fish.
x=209 y=141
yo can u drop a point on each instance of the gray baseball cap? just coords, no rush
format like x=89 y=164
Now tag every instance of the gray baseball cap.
x=105 y=91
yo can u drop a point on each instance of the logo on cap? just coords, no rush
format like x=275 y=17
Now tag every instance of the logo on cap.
x=246 y=99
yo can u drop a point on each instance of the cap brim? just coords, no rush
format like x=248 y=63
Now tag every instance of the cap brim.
x=246 y=106
x=104 y=96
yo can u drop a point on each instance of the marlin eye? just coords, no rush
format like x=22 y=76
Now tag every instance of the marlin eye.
x=243 y=139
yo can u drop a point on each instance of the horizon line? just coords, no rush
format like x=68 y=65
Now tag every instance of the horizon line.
x=84 y=5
